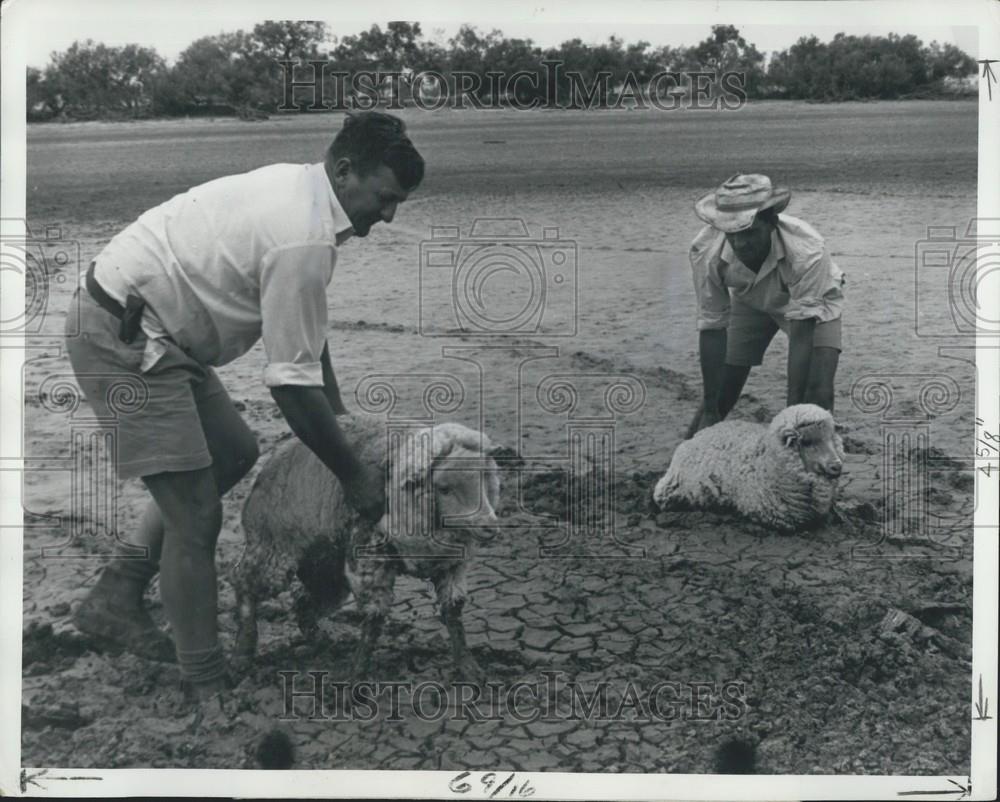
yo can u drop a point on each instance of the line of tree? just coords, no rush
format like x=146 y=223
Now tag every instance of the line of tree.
x=239 y=72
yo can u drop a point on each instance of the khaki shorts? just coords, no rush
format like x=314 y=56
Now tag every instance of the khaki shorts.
x=750 y=333
x=162 y=430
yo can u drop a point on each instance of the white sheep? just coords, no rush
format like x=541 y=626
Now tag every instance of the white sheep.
x=783 y=475
x=442 y=486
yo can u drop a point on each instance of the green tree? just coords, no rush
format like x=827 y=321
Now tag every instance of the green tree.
x=858 y=67
x=290 y=39
x=227 y=69
x=396 y=48
x=275 y=41
x=41 y=104
x=725 y=51
x=93 y=80
x=948 y=61
x=801 y=71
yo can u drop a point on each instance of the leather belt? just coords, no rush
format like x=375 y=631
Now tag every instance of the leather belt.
x=130 y=315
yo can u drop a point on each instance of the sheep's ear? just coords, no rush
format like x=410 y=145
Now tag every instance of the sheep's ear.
x=789 y=437
x=441 y=445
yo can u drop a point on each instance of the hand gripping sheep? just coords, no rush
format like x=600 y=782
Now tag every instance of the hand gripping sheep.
x=443 y=488
x=783 y=475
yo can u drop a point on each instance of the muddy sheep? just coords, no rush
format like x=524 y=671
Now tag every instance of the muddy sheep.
x=782 y=476
x=443 y=487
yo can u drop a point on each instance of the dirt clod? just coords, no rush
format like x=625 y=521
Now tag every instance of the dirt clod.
x=275 y=751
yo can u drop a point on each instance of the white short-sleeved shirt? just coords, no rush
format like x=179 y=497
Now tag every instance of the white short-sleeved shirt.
x=234 y=260
x=798 y=280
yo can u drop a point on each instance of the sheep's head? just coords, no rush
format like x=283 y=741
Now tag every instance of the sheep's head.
x=448 y=482
x=466 y=489
x=808 y=431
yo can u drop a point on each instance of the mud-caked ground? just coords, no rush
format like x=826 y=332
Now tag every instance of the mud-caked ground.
x=627 y=640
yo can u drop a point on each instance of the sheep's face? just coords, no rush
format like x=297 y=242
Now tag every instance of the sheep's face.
x=465 y=485
x=444 y=485
x=818 y=446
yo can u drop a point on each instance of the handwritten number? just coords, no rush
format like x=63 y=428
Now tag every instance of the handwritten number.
x=501 y=786
x=458 y=786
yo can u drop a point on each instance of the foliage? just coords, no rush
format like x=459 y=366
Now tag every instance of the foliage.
x=91 y=80
x=860 y=67
x=239 y=72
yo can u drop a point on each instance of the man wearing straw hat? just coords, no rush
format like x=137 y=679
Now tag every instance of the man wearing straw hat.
x=756 y=271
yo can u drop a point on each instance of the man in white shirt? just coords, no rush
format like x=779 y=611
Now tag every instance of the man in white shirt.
x=192 y=284
x=757 y=271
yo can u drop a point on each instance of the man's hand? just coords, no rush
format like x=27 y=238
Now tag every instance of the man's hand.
x=365 y=491
x=709 y=417
x=705 y=416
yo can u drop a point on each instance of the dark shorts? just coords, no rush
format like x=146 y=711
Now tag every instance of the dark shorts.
x=159 y=429
x=750 y=333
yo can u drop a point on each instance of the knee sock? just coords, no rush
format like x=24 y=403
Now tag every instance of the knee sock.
x=131 y=574
x=139 y=570
x=202 y=666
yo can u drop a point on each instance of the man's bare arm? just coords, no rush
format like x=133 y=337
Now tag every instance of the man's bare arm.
x=800 y=346
x=330 y=387
x=712 y=354
x=310 y=416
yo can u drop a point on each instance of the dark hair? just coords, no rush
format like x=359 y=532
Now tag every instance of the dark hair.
x=371 y=138
x=769 y=215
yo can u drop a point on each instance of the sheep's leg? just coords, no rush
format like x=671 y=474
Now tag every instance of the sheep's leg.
x=371 y=628
x=246 y=623
x=306 y=614
x=372 y=582
x=466 y=666
x=451 y=595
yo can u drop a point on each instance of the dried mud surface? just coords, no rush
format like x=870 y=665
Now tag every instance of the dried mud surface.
x=835 y=679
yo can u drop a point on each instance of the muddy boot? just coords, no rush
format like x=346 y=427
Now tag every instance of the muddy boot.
x=196 y=693
x=113 y=615
x=215 y=708
x=205 y=680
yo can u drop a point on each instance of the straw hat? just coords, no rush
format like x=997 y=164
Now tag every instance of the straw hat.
x=733 y=205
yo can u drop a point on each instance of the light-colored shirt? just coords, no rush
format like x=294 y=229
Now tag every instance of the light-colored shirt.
x=232 y=261
x=797 y=281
